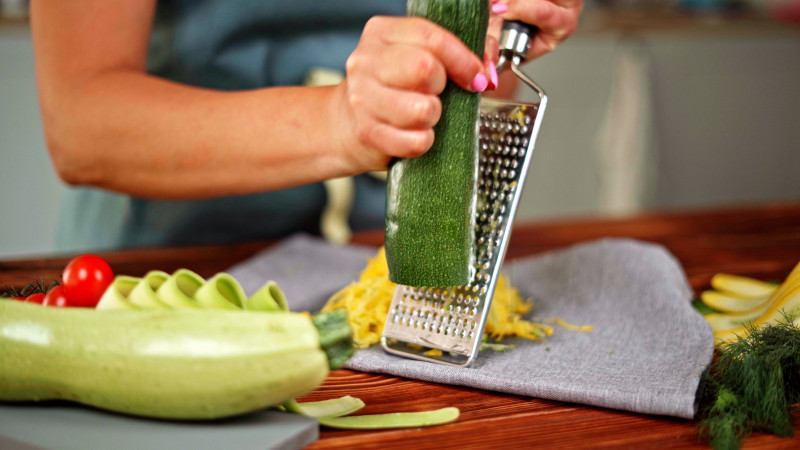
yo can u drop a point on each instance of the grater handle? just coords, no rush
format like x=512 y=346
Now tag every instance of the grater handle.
x=514 y=41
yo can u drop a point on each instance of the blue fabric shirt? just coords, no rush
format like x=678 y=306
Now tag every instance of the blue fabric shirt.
x=232 y=45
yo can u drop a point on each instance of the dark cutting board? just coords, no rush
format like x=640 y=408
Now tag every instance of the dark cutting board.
x=68 y=426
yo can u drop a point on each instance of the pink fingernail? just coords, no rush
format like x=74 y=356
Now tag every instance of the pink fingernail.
x=480 y=82
x=494 y=1
x=492 y=76
x=499 y=8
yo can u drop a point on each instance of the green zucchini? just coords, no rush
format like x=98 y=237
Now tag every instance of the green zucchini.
x=175 y=364
x=430 y=204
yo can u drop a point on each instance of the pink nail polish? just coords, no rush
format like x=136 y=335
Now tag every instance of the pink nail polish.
x=492 y=76
x=494 y=1
x=499 y=8
x=480 y=82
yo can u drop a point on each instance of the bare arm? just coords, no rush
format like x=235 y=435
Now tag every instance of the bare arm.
x=111 y=125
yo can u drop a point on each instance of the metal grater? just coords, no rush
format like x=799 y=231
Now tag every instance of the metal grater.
x=452 y=319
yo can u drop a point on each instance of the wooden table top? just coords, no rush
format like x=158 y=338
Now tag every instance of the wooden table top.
x=758 y=241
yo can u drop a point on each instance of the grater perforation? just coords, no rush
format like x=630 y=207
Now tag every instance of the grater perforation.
x=452 y=319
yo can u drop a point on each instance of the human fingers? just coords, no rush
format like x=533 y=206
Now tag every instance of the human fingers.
x=460 y=63
x=411 y=68
x=390 y=140
x=489 y=61
x=396 y=107
x=408 y=110
x=493 y=37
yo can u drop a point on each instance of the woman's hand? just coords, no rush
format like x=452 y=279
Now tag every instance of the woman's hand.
x=389 y=101
x=390 y=97
x=556 y=20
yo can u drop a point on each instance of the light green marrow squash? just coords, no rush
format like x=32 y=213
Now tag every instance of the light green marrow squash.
x=144 y=294
x=335 y=407
x=331 y=414
x=175 y=364
x=179 y=289
x=117 y=295
x=392 y=420
x=268 y=298
x=221 y=291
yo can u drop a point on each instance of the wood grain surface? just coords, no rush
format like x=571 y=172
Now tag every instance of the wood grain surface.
x=758 y=241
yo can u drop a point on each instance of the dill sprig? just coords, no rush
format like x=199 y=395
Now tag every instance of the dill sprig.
x=752 y=385
x=10 y=292
x=39 y=287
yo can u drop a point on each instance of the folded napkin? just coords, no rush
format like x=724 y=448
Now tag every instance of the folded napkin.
x=646 y=353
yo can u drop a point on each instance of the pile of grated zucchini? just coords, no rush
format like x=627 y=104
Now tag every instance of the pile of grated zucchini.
x=367 y=302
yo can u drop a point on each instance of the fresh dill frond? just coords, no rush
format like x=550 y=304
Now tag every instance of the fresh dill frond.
x=39 y=287
x=754 y=383
x=9 y=292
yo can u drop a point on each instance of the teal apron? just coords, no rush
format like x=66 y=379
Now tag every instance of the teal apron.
x=233 y=45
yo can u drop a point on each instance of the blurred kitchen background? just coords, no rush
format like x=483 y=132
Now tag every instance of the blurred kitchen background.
x=654 y=105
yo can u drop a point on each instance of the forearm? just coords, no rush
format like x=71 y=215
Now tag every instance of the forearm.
x=134 y=133
x=109 y=124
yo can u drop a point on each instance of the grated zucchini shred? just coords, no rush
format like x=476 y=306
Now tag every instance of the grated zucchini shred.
x=367 y=302
x=572 y=327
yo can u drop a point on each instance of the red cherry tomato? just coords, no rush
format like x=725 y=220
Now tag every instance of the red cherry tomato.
x=35 y=298
x=55 y=297
x=22 y=299
x=85 y=280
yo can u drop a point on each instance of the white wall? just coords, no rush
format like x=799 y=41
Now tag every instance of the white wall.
x=728 y=114
x=564 y=177
x=725 y=109
x=29 y=190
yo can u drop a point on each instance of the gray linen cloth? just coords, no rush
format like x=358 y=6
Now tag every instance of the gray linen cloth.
x=646 y=353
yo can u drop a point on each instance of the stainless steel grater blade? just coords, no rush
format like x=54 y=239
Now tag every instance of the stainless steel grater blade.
x=453 y=319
